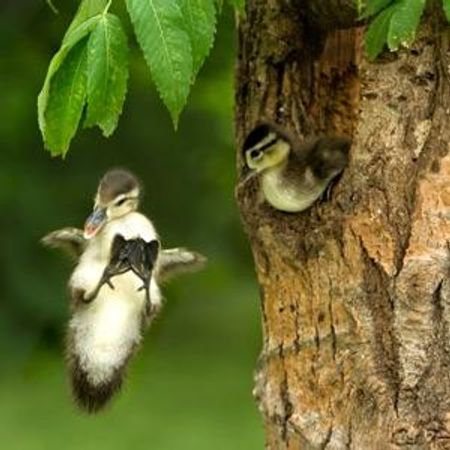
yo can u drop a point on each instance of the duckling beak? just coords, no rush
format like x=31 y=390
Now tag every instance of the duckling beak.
x=94 y=222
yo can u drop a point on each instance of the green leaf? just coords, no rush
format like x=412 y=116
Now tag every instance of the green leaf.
x=79 y=32
x=200 y=19
x=377 y=32
x=86 y=10
x=404 y=23
x=76 y=35
x=161 y=33
x=373 y=7
x=446 y=5
x=65 y=100
x=107 y=74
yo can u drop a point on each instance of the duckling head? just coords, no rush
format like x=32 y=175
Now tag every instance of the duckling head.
x=266 y=147
x=117 y=195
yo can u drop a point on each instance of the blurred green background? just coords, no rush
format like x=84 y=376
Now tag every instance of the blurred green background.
x=190 y=386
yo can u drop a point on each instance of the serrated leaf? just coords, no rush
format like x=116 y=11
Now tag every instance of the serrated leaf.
x=446 y=6
x=71 y=39
x=65 y=100
x=86 y=10
x=162 y=35
x=107 y=74
x=80 y=31
x=373 y=7
x=376 y=34
x=200 y=19
x=404 y=23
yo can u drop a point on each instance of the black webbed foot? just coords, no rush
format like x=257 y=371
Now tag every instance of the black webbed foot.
x=105 y=279
x=148 y=307
x=327 y=193
x=146 y=287
x=326 y=196
x=146 y=255
x=136 y=255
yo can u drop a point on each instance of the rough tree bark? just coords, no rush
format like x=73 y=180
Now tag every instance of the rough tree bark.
x=355 y=294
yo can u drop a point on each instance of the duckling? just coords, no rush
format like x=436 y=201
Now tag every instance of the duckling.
x=293 y=175
x=114 y=290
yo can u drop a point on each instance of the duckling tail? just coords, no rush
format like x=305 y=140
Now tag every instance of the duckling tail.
x=91 y=397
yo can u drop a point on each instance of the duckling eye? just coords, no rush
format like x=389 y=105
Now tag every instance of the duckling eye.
x=255 y=154
x=120 y=202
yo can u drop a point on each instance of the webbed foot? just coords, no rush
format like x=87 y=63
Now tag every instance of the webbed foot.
x=89 y=298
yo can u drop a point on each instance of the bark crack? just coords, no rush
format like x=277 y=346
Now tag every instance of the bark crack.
x=350 y=434
x=327 y=440
x=332 y=327
x=285 y=398
x=381 y=306
x=438 y=308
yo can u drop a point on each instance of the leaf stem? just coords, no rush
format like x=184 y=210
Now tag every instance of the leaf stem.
x=105 y=11
x=52 y=6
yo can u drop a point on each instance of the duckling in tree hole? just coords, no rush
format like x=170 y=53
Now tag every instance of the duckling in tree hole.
x=114 y=287
x=293 y=175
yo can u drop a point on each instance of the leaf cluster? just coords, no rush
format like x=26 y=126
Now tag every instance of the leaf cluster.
x=87 y=78
x=393 y=23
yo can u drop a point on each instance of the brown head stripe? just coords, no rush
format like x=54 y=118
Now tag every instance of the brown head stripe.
x=116 y=182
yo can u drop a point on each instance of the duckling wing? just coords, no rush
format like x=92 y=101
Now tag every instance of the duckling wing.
x=178 y=261
x=70 y=240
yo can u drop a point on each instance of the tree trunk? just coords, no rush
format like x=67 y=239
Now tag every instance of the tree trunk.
x=355 y=294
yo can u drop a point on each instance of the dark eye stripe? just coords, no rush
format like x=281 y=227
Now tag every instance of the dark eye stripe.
x=121 y=201
x=269 y=144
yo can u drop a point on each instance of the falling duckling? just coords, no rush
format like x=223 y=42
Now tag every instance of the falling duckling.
x=114 y=287
x=293 y=175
